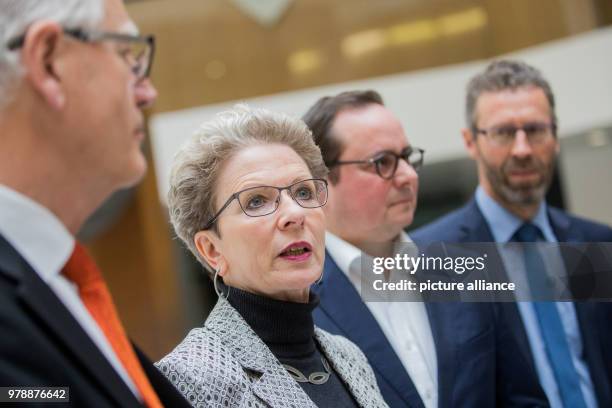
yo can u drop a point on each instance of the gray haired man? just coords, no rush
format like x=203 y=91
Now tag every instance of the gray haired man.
x=73 y=81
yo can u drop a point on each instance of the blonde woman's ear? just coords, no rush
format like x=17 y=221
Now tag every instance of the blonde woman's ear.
x=207 y=245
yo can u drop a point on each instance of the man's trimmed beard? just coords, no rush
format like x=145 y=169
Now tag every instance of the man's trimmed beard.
x=526 y=193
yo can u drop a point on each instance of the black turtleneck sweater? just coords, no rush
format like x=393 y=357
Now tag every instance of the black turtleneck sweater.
x=287 y=329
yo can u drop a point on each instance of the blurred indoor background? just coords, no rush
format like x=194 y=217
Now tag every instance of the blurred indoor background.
x=284 y=54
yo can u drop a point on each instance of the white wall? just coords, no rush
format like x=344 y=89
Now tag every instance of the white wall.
x=586 y=172
x=430 y=103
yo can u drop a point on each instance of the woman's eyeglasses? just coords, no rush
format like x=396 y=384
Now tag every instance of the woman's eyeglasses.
x=264 y=200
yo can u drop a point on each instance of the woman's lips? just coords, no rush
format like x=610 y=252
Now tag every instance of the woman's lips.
x=297 y=251
x=297 y=258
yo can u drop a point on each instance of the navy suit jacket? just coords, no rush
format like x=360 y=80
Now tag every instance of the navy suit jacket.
x=466 y=342
x=468 y=224
x=42 y=345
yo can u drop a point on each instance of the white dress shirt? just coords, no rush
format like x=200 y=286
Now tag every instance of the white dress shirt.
x=45 y=243
x=405 y=324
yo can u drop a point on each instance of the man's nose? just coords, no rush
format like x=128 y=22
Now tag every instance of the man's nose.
x=521 y=147
x=405 y=173
x=145 y=93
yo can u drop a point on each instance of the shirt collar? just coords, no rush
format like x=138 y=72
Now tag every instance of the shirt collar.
x=35 y=232
x=503 y=223
x=345 y=253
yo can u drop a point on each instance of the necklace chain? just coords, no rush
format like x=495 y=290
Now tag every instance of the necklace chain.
x=317 y=378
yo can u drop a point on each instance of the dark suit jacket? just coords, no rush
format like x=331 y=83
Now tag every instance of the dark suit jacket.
x=466 y=342
x=468 y=224
x=43 y=345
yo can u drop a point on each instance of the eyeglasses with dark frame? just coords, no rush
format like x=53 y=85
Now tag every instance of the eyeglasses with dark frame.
x=138 y=53
x=386 y=161
x=264 y=200
x=504 y=136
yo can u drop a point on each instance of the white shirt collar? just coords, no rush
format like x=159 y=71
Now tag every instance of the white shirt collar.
x=35 y=232
x=345 y=253
x=341 y=251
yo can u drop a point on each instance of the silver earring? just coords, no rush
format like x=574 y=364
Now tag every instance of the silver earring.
x=217 y=290
x=318 y=281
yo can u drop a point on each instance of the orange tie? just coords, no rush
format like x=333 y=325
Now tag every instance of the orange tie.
x=82 y=270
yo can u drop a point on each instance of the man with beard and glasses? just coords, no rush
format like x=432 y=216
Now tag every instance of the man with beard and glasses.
x=512 y=136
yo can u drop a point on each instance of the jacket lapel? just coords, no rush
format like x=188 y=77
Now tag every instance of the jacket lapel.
x=344 y=365
x=585 y=311
x=592 y=346
x=474 y=225
x=561 y=224
x=167 y=393
x=273 y=385
x=340 y=301
x=61 y=325
x=440 y=316
x=476 y=229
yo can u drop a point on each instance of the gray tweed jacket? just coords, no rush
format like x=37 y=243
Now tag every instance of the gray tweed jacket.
x=225 y=364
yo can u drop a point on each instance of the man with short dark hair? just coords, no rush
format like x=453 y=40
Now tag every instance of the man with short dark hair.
x=423 y=355
x=73 y=82
x=511 y=133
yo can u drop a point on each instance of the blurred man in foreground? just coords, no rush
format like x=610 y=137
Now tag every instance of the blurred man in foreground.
x=73 y=81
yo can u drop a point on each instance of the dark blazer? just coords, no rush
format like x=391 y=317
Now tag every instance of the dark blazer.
x=466 y=341
x=43 y=345
x=468 y=224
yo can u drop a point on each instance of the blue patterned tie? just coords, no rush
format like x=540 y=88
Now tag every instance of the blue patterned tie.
x=549 y=320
